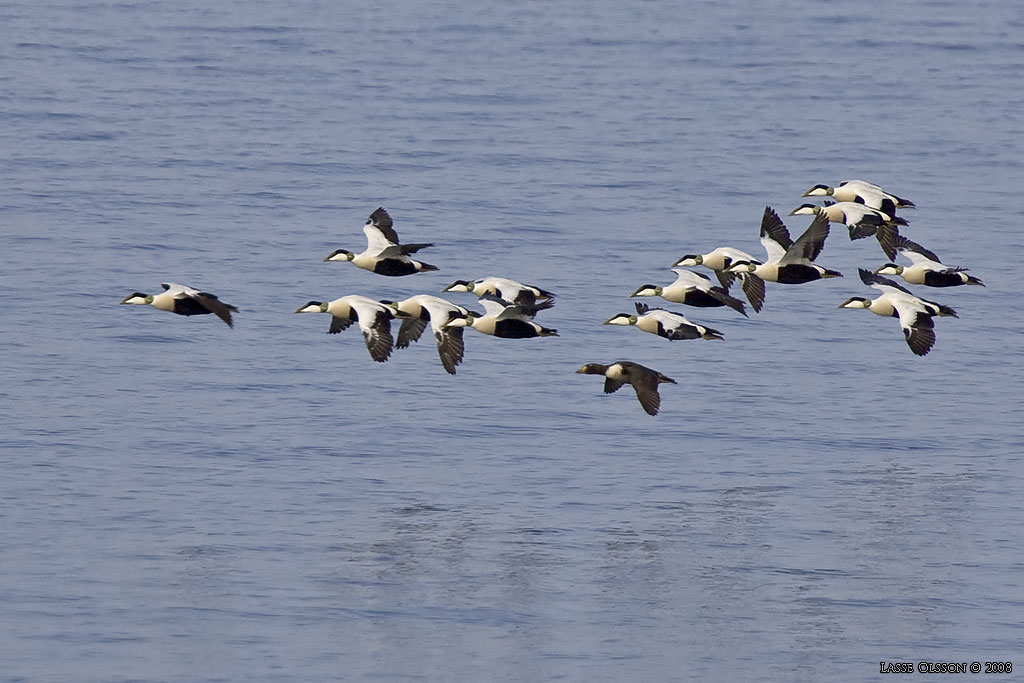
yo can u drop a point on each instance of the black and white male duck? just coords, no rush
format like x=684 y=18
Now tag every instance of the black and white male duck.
x=183 y=300
x=504 y=320
x=915 y=314
x=671 y=326
x=925 y=267
x=789 y=262
x=862 y=221
x=862 y=192
x=383 y=254
x=503 y=288
x=693 y=289
x=374 y=319
x=424 y=309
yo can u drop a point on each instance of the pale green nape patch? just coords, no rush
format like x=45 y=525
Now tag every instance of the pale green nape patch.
x=314 y=307
x=138 y=299
x=340 y=255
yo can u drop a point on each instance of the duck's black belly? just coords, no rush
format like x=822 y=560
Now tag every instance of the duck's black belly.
x=701 y=299
x=797 y=274
x=514 y=329
x=394 y=267
x=189 y=307
x=936 y=279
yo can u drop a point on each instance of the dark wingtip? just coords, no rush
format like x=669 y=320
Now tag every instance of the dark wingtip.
x=860 y=231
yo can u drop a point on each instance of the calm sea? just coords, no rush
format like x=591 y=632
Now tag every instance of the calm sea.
x=181 y=501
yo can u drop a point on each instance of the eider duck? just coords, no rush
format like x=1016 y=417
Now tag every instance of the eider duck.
x=789 y=262
x=383 y=254
x=184 y=301
x=671 y=326
x=423 y=309
x=862 y=192
x=861 y=220
x=510 y=291
x=692 y=289
x=644 y=381
x=915 y=314
x=374 y=318
x=718 y=260
x=502 y=320
x=926 y=268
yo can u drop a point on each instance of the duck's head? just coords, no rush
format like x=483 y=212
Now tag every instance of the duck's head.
x=742 y=267
x=648 y=290
x=856 y=302
x=340 y=255
x=819 y=191
x=890 y=269
x=313 y=307
x=459 y=286
x=460 y=320
x=138 y=299
x=806 y=209
x=689 y=260
x=592 y=369
x=621 y=319
x=395 y=308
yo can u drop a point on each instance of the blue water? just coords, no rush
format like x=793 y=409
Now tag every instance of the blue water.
x=182 y=501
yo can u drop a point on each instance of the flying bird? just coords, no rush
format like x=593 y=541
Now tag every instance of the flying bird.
x=510 y=291
x=383 y=254
x=374 y=319
x=789 y=262
x=693 y=289
x=504 y=320
x=862 y=192
x=644 y=381
x=184 y=300
x=424 y=309
x=926 y=268
x=671 y=326
x=915 y=314
x=718 y=260
x=862 y=221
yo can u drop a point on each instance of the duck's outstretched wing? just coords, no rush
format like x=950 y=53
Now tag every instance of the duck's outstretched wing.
x=339 y=324
x=612 y=385
x=807 y=247
x=450 y=347
x=645 y=384
x=880 y=282
x=214 y=305
x=379 y=341
x=914 y=251
x=753 y=287
x=410 y=330
x=379 y=233
x=774 y=235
